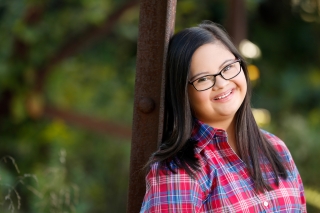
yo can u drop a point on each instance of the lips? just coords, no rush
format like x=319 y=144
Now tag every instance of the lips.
x=223 y=95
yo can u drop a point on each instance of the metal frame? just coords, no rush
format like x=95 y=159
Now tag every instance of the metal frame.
x=156 y=26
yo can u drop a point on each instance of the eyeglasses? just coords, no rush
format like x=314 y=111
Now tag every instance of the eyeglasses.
x=228 y=72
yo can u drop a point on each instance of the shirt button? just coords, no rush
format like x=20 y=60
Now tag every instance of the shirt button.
x=265 y=203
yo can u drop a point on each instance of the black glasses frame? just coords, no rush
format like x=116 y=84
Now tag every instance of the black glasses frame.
x=215 y=75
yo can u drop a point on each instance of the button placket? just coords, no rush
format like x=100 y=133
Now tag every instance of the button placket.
x=263 y=200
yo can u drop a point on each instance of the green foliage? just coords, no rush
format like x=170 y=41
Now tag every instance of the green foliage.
x=75 y=170
x=56 y=193
x=91 y=173
x=10 y=198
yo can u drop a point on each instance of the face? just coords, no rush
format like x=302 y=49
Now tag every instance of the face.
x=218 y=105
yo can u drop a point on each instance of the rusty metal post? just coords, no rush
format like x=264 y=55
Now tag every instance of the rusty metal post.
x=156 y=25
x=237 y=21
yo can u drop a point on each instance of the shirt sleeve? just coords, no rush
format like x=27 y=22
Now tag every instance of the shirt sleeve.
x=300 y=185
x=285 y=153
x=171 y=192
x=302 y=195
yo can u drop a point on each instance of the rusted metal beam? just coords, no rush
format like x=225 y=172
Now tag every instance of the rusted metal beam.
x=156 y=26
x=237 y=21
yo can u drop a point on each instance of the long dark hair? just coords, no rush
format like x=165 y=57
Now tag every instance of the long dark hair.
x=176 y=145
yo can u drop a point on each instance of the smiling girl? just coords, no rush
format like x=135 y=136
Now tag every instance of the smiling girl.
x=213 y=157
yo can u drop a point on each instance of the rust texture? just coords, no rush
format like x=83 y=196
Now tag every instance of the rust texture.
x=237 y=21
x=156 y=26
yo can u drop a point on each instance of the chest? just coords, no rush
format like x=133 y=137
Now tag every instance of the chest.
x=229 y=188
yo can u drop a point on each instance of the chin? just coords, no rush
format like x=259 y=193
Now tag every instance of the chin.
x=230 y=112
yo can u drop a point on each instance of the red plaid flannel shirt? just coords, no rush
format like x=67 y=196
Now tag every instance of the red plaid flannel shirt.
x=223 y=183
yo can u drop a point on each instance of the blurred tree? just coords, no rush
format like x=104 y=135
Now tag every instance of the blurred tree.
x=59 y=59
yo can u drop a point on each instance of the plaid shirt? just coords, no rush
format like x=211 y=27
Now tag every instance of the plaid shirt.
x=223 y=183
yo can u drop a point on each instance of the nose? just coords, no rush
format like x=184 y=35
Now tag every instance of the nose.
x=220 y=83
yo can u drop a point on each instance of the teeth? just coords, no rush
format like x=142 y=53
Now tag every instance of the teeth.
x=223 y=96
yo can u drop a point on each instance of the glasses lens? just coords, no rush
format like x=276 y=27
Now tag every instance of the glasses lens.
x=228 y=72
x=204 y=82
x=231 y=70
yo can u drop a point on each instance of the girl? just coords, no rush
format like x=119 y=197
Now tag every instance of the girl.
x=213 y=157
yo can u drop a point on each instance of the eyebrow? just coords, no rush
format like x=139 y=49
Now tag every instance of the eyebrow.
x=220 y=68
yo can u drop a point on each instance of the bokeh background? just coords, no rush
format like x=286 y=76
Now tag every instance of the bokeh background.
x=67 y=73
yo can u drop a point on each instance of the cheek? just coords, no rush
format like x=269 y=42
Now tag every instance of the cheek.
x=245 y=85
x=197 y=99
x=242 y=83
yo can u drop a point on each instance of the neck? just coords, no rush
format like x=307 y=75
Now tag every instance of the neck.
x=225 y=124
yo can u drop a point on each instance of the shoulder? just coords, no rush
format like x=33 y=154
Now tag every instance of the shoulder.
x=280 y=147
x=276 y=142
x=160 y=174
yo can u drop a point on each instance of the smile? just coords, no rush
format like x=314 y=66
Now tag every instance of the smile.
x=223 y=96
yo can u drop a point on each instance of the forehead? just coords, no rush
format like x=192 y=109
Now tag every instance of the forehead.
x=210 y=57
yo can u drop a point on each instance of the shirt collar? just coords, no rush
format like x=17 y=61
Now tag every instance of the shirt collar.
x=204 y=134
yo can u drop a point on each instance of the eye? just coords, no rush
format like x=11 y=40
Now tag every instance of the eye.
x=228 y=67
x=202 y=79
